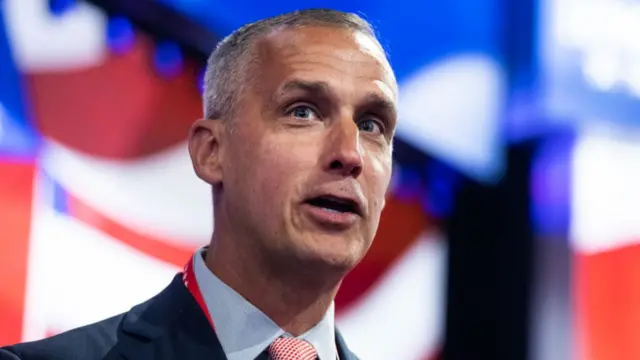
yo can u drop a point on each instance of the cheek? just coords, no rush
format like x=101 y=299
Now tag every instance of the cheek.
x=280 y=171
x=381 y=168
x=378 y=181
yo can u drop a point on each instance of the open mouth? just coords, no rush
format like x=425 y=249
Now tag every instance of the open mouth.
x=336 y=204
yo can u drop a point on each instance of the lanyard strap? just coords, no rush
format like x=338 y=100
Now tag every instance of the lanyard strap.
x=189 y=279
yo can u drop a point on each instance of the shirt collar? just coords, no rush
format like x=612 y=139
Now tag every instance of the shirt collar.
x=243 y=330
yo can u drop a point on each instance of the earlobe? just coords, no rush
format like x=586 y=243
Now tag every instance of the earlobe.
x=205 y=149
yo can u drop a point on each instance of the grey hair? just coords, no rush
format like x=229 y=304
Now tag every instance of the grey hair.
x=229 y=64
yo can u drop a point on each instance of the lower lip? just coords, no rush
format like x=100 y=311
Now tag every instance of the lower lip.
x=331 y=218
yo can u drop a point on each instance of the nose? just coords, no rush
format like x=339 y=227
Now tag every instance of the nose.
x=343 y=155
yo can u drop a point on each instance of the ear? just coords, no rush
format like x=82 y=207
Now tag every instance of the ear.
x=206 y=147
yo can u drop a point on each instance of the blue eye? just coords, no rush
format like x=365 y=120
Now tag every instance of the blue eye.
x=370 y=126
x=303 y=112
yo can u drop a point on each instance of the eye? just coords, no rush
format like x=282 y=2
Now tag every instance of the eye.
x=304 y=112
x=370 y=125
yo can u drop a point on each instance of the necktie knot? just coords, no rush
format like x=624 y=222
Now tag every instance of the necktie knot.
x=292 y=349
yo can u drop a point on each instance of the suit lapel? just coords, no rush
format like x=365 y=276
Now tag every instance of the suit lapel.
x=169 y=326
x=343 y=351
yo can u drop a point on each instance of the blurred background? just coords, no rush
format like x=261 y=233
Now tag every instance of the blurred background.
x=511 y=230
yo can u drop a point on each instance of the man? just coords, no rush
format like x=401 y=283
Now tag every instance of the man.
x=296 y=144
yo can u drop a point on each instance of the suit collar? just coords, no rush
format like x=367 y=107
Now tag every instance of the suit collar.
x=343 y=351
x=171 y=325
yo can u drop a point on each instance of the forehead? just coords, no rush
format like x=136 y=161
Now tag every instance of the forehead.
x=341 y=57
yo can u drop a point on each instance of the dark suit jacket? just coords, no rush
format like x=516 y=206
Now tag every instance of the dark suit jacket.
x=170 y=325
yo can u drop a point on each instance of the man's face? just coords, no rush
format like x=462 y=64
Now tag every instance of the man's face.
x=308 y=162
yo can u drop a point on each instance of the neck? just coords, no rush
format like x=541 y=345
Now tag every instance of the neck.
x=295 y=300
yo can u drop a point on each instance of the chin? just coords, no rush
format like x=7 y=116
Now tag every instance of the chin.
x=339 y=255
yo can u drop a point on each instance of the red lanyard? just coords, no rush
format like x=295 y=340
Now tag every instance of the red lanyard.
x=189 y=279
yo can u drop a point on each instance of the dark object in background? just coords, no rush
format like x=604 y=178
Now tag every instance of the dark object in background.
x=490 y=266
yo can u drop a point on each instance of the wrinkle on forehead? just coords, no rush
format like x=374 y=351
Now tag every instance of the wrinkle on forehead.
x=288 y=42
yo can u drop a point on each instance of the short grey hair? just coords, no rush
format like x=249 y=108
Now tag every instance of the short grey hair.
x=229 y=63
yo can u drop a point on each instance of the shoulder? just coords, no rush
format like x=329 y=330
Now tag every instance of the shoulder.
x=96 y=341
x=88 y=342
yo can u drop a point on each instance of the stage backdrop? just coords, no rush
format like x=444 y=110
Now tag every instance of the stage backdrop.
x=587 y=305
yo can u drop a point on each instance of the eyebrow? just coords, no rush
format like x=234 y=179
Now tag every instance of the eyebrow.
x=381 y=103
x=314 y=87
x=323 y=89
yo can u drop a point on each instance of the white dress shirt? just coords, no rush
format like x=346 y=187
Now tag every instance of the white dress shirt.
x=243 y=330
